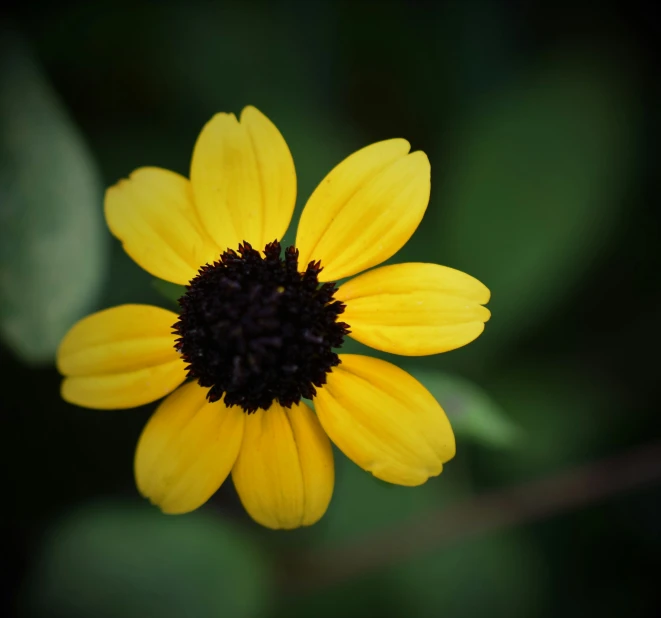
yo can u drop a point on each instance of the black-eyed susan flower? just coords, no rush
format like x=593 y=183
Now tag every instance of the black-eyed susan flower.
x=257 y=327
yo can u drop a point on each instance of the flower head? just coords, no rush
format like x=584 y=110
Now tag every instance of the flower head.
x=258 y=327
x=256 y=330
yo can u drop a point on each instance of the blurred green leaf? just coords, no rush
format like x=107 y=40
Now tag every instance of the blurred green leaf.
x=53 y=246
x=473 y=413
x=215 y=39
x=119 y=561
x=564 y=413
x=498 y=575
x=535 y=186
x=372 y=595
x=169 y=291
x=362 y=503
x=501 y=575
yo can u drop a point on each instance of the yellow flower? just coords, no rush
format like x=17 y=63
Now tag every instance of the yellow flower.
x=257 y=328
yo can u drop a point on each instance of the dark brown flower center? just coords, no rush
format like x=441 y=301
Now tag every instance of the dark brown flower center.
x=256 y=330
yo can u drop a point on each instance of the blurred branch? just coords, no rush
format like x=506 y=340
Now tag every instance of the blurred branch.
x=484 y=513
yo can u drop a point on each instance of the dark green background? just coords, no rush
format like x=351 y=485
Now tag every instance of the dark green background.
x=541 y=122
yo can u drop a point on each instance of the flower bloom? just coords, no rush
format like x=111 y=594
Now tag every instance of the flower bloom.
x=257 y=327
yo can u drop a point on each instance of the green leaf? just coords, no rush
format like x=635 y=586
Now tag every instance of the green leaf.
x=371 y=595
x=474 y=415
x=53 y=247
x=566 y=415
x=169 y=291
x=498 y=575
x=119 y=561
x=535 y=186
x=362 y=503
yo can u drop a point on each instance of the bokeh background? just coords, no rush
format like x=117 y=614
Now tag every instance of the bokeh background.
x=541 y=120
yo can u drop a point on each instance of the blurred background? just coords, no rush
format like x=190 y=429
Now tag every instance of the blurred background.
x=541 y=120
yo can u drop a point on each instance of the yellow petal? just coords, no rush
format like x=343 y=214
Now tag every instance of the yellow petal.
x=187 y=449
x=243 y=179
x=284 y=474
x=384 y=420
x=152 y=213
x=414 y=309
x=120 y=358
x=365 y=210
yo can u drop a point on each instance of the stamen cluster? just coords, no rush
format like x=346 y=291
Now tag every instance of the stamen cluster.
x=256 y=330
